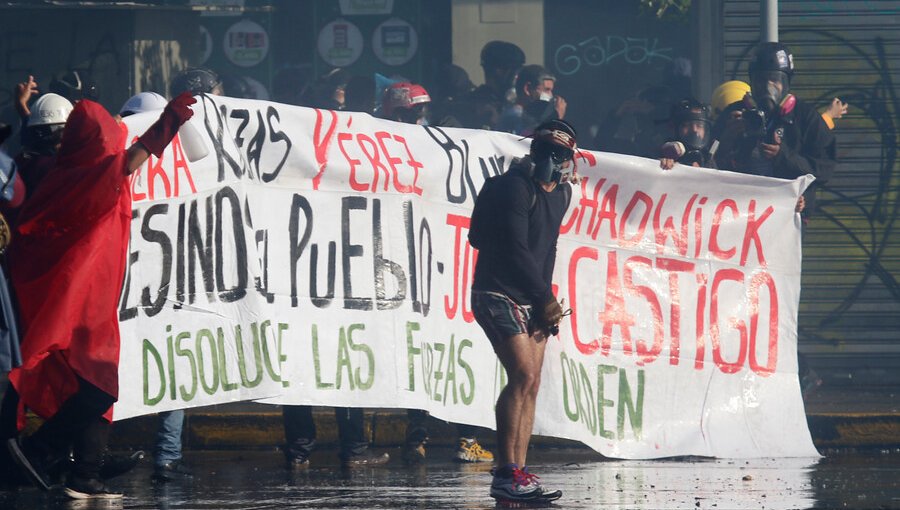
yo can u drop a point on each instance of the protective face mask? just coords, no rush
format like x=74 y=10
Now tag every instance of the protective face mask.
x=511 y=95
x=547 y=170
x=544 y=169
x=773 y=93
x=770 y=97
x=546 y=96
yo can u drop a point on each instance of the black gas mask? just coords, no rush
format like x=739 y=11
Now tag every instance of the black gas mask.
x=769 y=89
x=43 y=139
x=690 y=119
x=694 y=134
x=759 y=122
x=553 y=151
x=550 y=164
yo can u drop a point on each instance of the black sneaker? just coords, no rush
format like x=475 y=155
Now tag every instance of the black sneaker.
x=30 y=462
x=89 y=488
x=511 y=484
x=112 y=465
x=297 y=462
x=171 y=471
x=117 y=465
x=365 y=459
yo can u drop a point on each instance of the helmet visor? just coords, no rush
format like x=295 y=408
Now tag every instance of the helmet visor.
x=694 y=133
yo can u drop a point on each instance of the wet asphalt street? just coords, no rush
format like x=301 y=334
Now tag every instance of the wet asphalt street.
x=258 y=480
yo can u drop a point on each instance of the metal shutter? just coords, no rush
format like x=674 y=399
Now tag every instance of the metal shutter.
x=850 y=302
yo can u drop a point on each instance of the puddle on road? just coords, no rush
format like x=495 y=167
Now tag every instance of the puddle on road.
x=257 y=480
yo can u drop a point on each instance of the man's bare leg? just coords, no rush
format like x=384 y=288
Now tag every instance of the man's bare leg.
x=526 y=418
x=517 y=354
x=507 y=412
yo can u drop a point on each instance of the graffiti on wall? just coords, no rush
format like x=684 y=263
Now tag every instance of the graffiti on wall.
x=867 y=216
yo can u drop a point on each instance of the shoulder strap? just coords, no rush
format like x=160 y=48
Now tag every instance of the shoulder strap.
x=533 y=197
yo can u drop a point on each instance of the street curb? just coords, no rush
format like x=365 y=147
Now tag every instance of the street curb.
x=218 y=429
x=855 y=430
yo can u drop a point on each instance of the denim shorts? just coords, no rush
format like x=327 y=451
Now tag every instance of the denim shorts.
x=500 y=316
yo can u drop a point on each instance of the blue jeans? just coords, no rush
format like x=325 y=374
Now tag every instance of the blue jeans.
x=168 y=437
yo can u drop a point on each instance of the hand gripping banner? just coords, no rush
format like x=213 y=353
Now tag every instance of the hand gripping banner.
x=319 y=257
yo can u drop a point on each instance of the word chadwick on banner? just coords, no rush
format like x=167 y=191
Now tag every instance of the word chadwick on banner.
x=318 y=257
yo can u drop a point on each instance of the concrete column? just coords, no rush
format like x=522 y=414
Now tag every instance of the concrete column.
x=768 y=21
x=476 y=22
x=707 y=48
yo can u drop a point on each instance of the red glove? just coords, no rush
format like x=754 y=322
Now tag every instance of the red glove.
x=176 y=113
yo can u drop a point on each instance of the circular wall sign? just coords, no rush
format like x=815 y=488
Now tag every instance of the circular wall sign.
x=395 y=42
x=246 y=43
x=340 y=43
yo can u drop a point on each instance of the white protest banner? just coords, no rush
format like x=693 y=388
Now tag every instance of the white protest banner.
x=319 y=257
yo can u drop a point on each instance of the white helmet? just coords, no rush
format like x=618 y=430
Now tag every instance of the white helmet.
x=143 y=102
x=49 y=109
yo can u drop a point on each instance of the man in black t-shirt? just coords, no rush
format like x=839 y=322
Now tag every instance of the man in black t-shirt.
x=512 y=298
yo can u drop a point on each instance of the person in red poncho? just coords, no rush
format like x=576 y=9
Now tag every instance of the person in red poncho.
x=67 y=264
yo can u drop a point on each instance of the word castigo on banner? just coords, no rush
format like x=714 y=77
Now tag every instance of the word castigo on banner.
x=318 y=257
